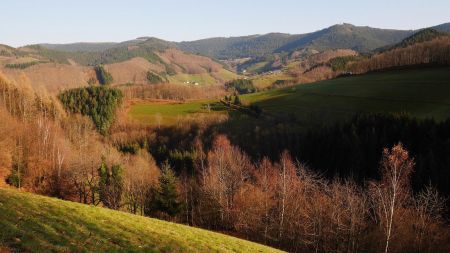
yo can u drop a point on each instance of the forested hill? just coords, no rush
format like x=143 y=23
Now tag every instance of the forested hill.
x=81 y=46
x=239 y=47
x=424 y=35
x=443 y=27
x=101 y=53
x=151 y=42
x=359 y=38
x=337 y=36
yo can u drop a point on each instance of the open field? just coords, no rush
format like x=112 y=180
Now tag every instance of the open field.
x=32 y=223
x=266 y=80
x=423 y=93
x=213 y=78
x=167 y=113
x=201 y=79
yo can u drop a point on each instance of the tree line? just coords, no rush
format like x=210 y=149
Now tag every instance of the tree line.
x=167 y=91
x=22 y=65
x=352 y=148
x=153 y=78
x=288 y=205
x=435 y=52
x=103 y=76
x=241 y=86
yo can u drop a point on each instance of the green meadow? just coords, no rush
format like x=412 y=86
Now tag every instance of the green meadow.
x=422 y=93
x=170 y=113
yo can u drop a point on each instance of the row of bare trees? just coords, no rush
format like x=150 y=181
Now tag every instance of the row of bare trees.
x=172 y=92
x=287 y=205
x=431 y=52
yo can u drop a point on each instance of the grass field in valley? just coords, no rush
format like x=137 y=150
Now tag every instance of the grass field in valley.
x=423 y=93
x=151 y=113
x=33 y=223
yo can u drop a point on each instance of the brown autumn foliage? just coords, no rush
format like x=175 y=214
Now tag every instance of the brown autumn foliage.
x=286 y=205
x=189 y=63
x=324 y=57
x=172 y=92
x=48 y=152
x=6 y=143
x=314 y=67
x=52 y=77
x=133 y=70
x=228 y=170
x=317 y=73
x=436 y=51
x=140 y=175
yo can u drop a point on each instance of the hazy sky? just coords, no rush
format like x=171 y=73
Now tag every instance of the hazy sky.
x=61 y=21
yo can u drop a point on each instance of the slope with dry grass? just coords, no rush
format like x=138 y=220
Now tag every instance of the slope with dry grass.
x=133 y=71
x=51 y=76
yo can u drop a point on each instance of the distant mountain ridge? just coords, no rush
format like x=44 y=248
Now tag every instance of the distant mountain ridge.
x=81 y=46
x=362 y=39
x=442 y=27
x=359 y=38
x=239 y=47
x=91 y=54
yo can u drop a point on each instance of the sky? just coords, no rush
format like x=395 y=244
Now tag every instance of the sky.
x=24 y=22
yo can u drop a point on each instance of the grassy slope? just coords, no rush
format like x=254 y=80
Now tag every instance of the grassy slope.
x=225 y=75
x=266 y=80
x=33 y=223
x=202 y=79
x=222 y=75
x=420 y=92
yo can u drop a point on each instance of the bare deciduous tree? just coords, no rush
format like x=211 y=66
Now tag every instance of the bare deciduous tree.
x=393 y=190
x=428 y=207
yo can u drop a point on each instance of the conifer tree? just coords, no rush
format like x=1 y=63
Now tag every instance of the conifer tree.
x=237 y=100
x=110 y=185
x=164 y=198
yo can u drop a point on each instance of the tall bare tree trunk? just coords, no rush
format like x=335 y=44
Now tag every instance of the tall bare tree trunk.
x=283 y=197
